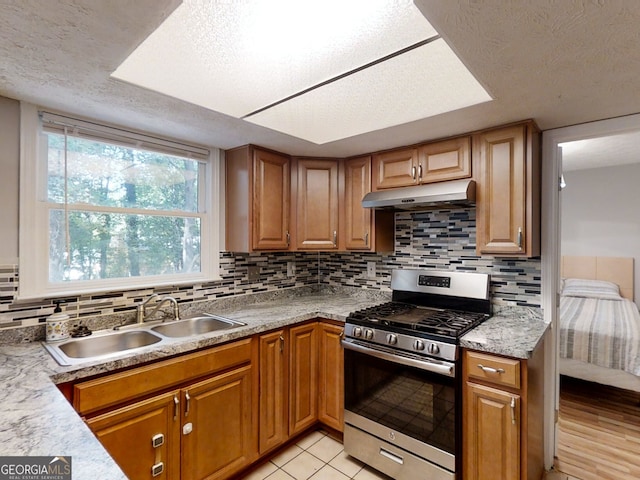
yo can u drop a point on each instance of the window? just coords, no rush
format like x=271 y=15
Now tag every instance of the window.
x=112 y=209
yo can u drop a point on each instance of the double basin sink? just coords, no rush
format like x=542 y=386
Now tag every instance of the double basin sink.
x=105 y=345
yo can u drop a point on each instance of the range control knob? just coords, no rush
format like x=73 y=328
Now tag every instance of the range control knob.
x=392 y=339
x=433 y=349
x=368 y=334
x=418 y=345
x=357 y=332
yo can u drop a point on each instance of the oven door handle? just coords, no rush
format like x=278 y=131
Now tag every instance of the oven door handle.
x=422 y=364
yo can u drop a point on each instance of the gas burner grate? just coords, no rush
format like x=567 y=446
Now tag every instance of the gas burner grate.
x=404 y=316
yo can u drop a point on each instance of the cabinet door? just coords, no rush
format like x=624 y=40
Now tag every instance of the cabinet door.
x=217 y=427
x=508 y=193
x=398 y=168
x=303 y=377
x=271 y=193
x=317 y=204
x=445 y=160
x=129 y=435
x=491 y=433
x=273 y=391
x=331 y=376
x=357 y=172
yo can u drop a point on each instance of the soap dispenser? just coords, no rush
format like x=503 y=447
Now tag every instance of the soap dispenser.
x=57 y=325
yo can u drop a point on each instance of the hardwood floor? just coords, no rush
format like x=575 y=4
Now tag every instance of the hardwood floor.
x=598 y=432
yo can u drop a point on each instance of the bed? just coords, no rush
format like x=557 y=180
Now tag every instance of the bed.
x=599 y=322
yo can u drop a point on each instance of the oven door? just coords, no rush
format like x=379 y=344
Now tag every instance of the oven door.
x=407 y=402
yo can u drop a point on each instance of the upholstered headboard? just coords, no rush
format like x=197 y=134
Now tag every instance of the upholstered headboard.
x=618 y=270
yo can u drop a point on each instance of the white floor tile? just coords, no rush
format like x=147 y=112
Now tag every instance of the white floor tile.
x=307 y=441
x=329 y=473
x=287 y=455
x=279 y=475
x=346 y=464
x=261 y=472
x=325 y=449
x=303 y=466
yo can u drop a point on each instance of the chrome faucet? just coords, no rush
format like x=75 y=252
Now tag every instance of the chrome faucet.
x=143 y=316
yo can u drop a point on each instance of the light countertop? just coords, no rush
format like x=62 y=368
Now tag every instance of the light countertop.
x=38 y=420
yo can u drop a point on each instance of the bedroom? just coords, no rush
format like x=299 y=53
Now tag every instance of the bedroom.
x=600 y=229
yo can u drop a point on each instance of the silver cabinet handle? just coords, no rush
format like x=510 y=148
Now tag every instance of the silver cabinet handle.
x=186 y=407
x=335 y=238
x=281 y=344
x=489 y=369
x=391 y=456
x=288 y=237
x=513 y=410
x=176 y=406
x=366 y=239
x=413 y=173
x=519 y=237
x=419 y=172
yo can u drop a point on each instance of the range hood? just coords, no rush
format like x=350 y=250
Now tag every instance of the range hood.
x=430 y=195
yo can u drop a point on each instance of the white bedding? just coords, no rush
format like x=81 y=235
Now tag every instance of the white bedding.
x=601 y=332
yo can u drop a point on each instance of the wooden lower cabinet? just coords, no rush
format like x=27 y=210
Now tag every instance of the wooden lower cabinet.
x=129 y=433
x=503 y=416
x=303 y=377
x=201 y=423
x=330 y=377
x=492 y=446
x=259 y=393
x=301 y=381
x=217 y=426
x=273 y=398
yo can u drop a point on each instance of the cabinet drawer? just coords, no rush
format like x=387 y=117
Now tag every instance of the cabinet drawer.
x=100 y=393
x=496 y=370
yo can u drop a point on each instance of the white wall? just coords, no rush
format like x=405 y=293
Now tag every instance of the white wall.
x=601 y=214
x=9 y=175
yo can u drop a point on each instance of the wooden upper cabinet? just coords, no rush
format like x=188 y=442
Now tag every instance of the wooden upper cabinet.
x=432 y=162
x=507 y=171
x=445 y=160
x=364 y=228
x=396 y=168
x=316 y=203
x=258 y=192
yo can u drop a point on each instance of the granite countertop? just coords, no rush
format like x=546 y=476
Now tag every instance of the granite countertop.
x=38 y=420
x=511 y=331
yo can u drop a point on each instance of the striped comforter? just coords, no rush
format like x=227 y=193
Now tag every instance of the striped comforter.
x=602 y=332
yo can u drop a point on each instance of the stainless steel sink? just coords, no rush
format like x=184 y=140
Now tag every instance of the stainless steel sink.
x=90 y=347
x=198 y=325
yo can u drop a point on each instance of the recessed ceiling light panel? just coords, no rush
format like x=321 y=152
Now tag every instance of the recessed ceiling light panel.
x=237 y=57
x=296 y=66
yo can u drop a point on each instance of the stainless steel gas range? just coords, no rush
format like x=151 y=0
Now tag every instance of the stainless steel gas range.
x=402 y=373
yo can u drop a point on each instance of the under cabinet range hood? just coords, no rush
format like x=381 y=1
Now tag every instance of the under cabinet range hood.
x=430 y=195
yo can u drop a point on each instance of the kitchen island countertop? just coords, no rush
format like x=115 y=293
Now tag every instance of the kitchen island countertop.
x=38 y=420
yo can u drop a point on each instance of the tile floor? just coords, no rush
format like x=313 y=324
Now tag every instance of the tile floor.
x=316 y=456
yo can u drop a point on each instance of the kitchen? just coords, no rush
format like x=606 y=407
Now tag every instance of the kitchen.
x=412 y=249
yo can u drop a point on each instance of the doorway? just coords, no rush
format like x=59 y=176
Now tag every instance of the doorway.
x=551 y=246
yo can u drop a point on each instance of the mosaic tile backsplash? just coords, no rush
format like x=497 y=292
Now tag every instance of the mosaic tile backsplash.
x=439 y=239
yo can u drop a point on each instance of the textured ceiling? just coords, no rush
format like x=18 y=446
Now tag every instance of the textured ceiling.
x=559 y=62
x=621 y=149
